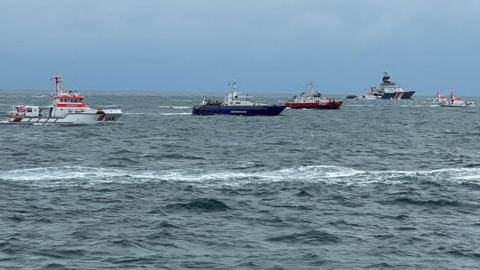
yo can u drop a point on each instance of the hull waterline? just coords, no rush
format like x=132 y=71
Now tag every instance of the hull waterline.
x=85 y=118
x=398 y=95
x=240 y=110
x=315 y=105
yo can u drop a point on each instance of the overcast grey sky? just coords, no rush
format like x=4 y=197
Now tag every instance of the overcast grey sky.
x=343 y=46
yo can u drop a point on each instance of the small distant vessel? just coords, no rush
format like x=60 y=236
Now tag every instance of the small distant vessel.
x=439 y=99
x=371 y=95
x=312 y=99
x=67 y=108
x=389 y=90
x=236 y=104
x=454 y=101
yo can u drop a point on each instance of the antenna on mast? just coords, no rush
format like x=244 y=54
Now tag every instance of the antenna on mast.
x=233 y=84
x=58 y=84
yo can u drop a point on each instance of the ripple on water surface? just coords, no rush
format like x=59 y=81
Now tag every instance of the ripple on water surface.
x=373 y=185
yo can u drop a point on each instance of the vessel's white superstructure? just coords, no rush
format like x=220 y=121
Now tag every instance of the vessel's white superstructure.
x=439 y=99
x=67 y=108
x=389 y=90
x=388 y=86
x=235 y=99
x=310 y=95
x=454 y=101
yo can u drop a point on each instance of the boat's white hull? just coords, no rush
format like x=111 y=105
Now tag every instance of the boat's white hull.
x=453 y=105
x=83 y=118
x=369 y=98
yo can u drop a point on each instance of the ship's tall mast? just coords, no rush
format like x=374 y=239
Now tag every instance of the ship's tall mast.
x=58 y=84
x=234 y=87
x=309 y=87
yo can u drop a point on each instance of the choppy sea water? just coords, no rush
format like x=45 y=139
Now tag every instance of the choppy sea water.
x=375 y=185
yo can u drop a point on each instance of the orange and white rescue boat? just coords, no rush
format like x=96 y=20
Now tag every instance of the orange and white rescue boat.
x=67 y=108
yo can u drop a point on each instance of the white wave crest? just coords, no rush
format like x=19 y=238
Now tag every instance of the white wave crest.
x=139 y=113
x=69 y=173
x=320 y=173
x=169 y=114
x=110 y=106
x=158 y=114
x=175 y=107
x=330 y=174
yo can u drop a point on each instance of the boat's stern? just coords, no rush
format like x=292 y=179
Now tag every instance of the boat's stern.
x=196 y=110
x=108 y=115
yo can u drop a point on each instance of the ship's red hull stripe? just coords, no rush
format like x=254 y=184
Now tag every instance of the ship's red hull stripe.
x=69 y=97
x=67 y=105
x=315 y=105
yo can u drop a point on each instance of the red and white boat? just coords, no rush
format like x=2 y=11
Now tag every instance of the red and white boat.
x=67 y=108
x=454 y=101
x=439 y=99
x=312 y=99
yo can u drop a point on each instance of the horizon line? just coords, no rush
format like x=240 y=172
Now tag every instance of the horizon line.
x=170 y=92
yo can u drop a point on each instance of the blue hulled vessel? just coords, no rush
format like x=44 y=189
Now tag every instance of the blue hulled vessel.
x=236 y=104
x=390 y=90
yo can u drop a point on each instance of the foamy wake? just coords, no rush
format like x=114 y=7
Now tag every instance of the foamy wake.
x=110 y=106
x=169 y=114
x=412 y=105
x=175 y=107
x=159 y=114
x=139 y=113
x=320 y=173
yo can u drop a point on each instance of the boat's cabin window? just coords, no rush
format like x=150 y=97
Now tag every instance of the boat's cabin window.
x=237 y=102
x=29 y=109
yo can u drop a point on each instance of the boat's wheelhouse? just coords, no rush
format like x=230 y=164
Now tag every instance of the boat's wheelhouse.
x=235 y=99
x=389 y=86
x=309 y=96
x=66 y=101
